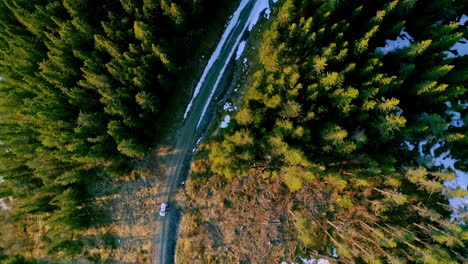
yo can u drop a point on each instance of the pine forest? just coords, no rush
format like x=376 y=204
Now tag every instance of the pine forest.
x=336 y=125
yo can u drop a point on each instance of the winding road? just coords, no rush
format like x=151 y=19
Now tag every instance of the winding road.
x=246 y=15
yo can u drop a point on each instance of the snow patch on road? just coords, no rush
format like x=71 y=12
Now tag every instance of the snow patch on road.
x=225 y=122
x=231 y=25
x=240 y=49
x=461 y=47
x=259 y=7
x=196 y=144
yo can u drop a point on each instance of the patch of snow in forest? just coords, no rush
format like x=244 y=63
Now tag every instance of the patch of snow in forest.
x=229 y=107
x=225 y=122
x=245 y=61
x=409 y=145
x=267 y=13
x=312 y=260
x=240 y=49
x=461 y=178
x=463 y=20
x=231 y=25
x=403 y=40
x=455 y=116
x=335 y=253
x=461 y=47
x=196 y=144
x=445 y=160
x=3 y=205
x=399 y=110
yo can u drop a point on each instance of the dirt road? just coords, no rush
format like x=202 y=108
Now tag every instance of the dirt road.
x=195 y=118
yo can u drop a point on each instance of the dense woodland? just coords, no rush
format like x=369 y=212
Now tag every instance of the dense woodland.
x=84 y=84
x=329 y=112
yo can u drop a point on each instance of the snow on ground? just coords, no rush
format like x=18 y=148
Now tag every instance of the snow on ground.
x=240 y=49
x=459 y=49
x=409 y=145
x=229 y=107
x=456 y=116
x=3 y=205
x=259 y=7
x=225 y=122
x=267 y=13
x=461 y=178
x=463 y=20
x=335 y=253
x=312 y=260
x=403 y=40
x=399 y=110
x=448 y=162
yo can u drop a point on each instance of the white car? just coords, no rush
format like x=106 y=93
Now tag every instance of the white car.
x=163 y=210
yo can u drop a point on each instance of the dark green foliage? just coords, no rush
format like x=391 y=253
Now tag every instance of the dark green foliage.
x=83 y=86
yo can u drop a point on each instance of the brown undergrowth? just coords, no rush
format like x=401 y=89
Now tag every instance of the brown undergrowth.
x=246 y=220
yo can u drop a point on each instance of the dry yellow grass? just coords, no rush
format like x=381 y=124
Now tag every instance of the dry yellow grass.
x=132 y=209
